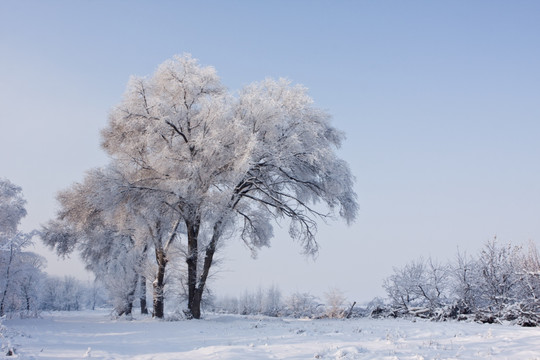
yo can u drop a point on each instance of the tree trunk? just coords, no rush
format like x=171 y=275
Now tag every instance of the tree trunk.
x=196 y=304
x=130 y=298
x=196 y=299
x=142 y=295
x=129 y=308
x=7 y=280
x=159 y=283
x=192 y=260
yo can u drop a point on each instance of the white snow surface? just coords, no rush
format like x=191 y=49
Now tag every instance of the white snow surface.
x=95 y=335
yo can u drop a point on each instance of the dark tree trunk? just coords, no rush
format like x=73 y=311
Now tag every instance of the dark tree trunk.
x=142 y=295
x=196 y=304
x=196 y=297
x=129 y=309
x=130 y=297
x=192 y=260
x=7 y=280
x=159 y=283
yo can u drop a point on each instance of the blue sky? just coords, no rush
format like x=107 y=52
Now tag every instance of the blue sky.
x=439 y=100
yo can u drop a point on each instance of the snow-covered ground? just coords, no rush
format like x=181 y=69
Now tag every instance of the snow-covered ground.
x=88 y=334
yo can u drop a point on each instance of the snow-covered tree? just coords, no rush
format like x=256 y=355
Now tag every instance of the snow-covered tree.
x=17 y=266
x=498 y=275
x=272 y=305
x=107 y=246
x=301 y=304
x=501 y=283
x=27 y=280
x=12 y=208
x=66 y=294
x=418 y=283
x=335 y=303
x=529 y=275
x=464 y=281
x=226 y=162
x=402 y=286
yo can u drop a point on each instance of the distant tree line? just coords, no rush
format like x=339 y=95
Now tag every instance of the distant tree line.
x=270 y=302
x=501 y=283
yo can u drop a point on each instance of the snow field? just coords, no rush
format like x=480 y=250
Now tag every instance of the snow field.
x=78 y=335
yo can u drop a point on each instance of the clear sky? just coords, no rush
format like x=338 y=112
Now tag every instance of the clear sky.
x=440 y=101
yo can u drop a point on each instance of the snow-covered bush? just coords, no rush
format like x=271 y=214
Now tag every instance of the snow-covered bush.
x=502 y=283
x=302 y=305
x=464 y=282
x=499 y=278
x=335 y=303
x=272 y=305
x=418 y=284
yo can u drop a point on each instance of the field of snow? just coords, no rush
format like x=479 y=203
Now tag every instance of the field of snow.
x=88 y=334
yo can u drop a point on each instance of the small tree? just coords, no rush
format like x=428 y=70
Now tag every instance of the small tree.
x=272 y=305
x=403 y=286
x=335 y=302
x=498 y=269
x=464 y=282
x=419 y=283
x=529 y=274
x=302 y=305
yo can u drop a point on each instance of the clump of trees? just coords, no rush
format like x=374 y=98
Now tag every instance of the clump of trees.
x=20 y=269
x=25 y=289
x=502 y=282
x=192 y=165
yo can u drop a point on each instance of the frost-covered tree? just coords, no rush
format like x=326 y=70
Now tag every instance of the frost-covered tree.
x=108 y=249
x=418 y=283
x=301 y=304
x=66 y=294
x=12 y=208
x=103 y=220
x=272 y=305
x=529 y=275
x=335 y=303
x=501 y=283
x=464 y=281
x=27 y=280
x=498 y=275
x=226 y=163
x=16 y=265
x=402 y=286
